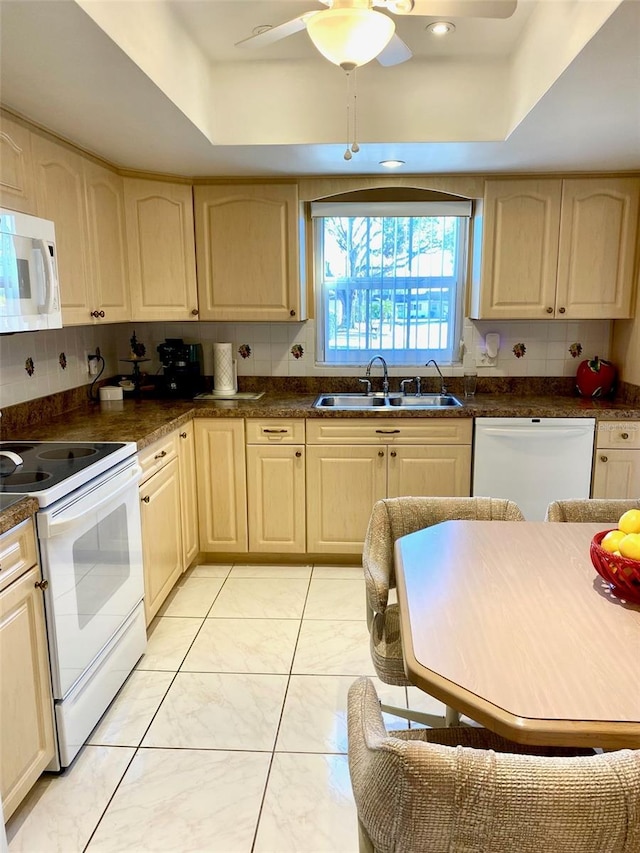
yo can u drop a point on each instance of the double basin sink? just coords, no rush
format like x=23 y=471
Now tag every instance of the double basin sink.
x=390 y=402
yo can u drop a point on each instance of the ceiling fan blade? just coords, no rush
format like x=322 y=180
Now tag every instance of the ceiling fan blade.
x=395 y=52
x=273 y=34
x=462 y=8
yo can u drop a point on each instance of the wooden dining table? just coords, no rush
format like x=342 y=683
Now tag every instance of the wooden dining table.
x=510 y=624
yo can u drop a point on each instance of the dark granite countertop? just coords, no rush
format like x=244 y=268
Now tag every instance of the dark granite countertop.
x=144 y=421
x=14 y=509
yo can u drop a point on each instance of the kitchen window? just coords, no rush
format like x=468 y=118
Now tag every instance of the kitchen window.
x=390 y=280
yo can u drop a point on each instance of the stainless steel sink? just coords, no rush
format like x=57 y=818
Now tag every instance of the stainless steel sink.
x=379 y=402
x=423 y=401
x=349 y=401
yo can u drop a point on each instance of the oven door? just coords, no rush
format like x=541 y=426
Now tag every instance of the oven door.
x=91 y=553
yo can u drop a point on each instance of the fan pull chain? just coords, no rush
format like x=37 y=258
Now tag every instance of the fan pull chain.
x=347 y=154
x=352 y=147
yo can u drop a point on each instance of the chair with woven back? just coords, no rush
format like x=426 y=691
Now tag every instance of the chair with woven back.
x=390 y=519
x=466 y=789
x=597 y=510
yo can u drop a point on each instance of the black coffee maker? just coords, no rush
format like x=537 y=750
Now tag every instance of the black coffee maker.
x=181 y=363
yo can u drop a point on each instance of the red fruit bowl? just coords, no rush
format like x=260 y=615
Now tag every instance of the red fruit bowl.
x=621 y=573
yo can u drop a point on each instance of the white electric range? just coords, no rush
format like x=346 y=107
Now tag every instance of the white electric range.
x=90 y=544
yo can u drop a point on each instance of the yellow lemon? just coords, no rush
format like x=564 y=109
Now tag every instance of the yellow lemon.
x=630 y=521
x=630 y=546
x=611 y=542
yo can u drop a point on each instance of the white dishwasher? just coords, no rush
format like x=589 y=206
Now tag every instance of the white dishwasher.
x=533 y=461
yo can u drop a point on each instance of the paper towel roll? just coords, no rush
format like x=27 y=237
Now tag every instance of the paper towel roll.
x=224 y=375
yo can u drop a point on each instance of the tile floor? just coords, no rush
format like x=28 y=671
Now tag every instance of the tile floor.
x=230 y=735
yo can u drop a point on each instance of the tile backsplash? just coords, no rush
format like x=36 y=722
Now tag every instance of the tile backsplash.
x=58 y=357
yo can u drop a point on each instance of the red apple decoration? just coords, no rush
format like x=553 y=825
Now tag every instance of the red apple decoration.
x=595 y=377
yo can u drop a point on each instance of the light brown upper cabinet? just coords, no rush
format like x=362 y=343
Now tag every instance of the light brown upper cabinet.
x=557 y=249
x=17 y=184
x=107 y=244
x=61 y=197
x=248 y=252
x=161 y=247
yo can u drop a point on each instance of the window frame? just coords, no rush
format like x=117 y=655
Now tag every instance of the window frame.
x=462 y=209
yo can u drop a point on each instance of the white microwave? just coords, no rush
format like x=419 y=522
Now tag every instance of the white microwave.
x=29 y=291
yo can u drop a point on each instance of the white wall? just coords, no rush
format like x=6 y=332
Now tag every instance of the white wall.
x=547 y=351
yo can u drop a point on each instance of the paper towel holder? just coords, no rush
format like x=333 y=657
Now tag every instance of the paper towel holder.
x=492 y=344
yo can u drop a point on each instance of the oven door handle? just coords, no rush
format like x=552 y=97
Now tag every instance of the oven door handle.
x=54 y=528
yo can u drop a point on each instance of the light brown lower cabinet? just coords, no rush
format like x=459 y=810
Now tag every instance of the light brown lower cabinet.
x=188 y=494
x=160 y=511
x=222 y=485
x=276 y=486
x=353 y=463
x=616 y=466
x=27 y=741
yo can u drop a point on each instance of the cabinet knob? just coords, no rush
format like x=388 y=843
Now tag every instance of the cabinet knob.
x=97 y=314
x=160 y=455
x=561 y=310
x=298 y=454
x=604 y=458
x=146 y=499
x=183 y=435
x=195 y=312
x=549 y=310
x=393 y=454
x=41 y=584
x=381 y=453
x=624 y=435
x=292 y=313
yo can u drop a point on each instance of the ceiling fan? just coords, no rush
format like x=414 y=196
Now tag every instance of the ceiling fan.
x=351 y=33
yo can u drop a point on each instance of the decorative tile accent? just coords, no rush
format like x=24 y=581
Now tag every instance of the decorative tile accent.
x=62 y=360
x=29 y=366
x=519 y=350
x=297 y=351
x=575 y=349
x=244 y=350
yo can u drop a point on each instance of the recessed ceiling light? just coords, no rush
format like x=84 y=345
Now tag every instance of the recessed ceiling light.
x=391 y=164
x=441 y=28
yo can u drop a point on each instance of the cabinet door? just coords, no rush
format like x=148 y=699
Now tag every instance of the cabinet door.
x=188 y=495
x=60 y=191
x=161 y=536
x=519 y=249
x=107 y=244
x=438 y=471
x=276 y=498
x=248 y=252
x=222 y=491
x=161 y=250
x=26 y=705
x=616 y=474
x=598 y=233
x=17 y=184
x=343 y=483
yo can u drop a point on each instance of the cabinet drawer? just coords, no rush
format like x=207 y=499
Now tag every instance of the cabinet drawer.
x=390 y=430
x=285 y=431
x=157 y=455
x=17 y=552
x=622 y=434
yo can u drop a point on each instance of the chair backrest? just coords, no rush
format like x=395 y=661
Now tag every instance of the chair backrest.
x=413 y=795
x=392 y=518
x=598 y=510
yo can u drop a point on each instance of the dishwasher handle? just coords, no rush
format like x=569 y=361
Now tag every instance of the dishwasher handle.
x=526 y=432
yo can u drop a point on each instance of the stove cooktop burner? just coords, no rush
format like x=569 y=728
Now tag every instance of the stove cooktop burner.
x=39 y=467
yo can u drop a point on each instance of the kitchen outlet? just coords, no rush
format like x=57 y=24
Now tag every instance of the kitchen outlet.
x=92 y=360
x=484 y=360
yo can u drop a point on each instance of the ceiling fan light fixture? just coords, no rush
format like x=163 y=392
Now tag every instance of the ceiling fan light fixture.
x=350 y=37
x=441 y=28
x=391 y=164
